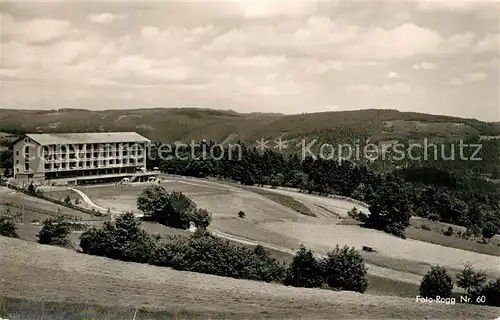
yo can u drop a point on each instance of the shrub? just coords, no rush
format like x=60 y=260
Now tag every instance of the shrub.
x=8 y=227
x=305 y=270
x=435 y=283
x=168 y=250
x=171 y=209
x=241 y=214
x=31 y=188
x=425 y=227
x=205 y=253
x=261 y=266
x=470 y=280
x=55 y=231
x=356 y=214
x=122 y=240
x=389 y=209
x=201 y=218
x=67 y=200
x=491 y=291
x=489 y=230
x=344 y=269
x=448 y=232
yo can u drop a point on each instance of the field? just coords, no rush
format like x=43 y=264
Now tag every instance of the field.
x=64 y=279
x=395 y=269
x=278 y=225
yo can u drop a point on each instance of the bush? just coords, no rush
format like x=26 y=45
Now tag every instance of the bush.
x=305 y=270
x=470 y=280
x=241 y=214
x=435 y=283
x=201 y=218
x=425 y=227
x=344 y=269
x=491 y=292
x=55 y=231
x=67 y=200
x=205 y=253
x=389 y=209
x=31 y=188
x=356 y=214
x=122 y=240
x=489 y=230
x=171 y=209
x=8 y=227
x=448 y=232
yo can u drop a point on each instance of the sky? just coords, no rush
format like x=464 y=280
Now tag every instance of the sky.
x=253 y=56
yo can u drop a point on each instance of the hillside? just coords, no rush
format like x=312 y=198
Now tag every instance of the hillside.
x=186 y=124
x=85 y=286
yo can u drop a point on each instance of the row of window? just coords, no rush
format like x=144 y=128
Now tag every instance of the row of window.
x=91 y=164
x=101 y=146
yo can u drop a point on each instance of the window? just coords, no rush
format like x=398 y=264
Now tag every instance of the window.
x=26 y=150
x=17 y=152
x=17 y=161
x=26 y=166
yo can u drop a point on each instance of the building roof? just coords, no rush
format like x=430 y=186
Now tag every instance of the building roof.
x=94 y=137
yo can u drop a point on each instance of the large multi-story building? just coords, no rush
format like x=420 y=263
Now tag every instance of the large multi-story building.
x=79 y=156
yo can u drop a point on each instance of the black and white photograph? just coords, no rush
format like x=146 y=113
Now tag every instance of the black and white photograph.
x=249 y=159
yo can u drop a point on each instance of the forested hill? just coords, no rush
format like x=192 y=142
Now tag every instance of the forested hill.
x=186 y=124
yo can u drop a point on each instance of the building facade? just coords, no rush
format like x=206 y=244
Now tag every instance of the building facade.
x=80 y=156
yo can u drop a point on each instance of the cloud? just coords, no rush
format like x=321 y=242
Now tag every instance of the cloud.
x=424 y=65
x=489 y=43
x=102 y=18
x=394 y=75
x=455 y=6
x=469 y=77
x=492 y=64
x=254 y=61
x=388 y=89
x=405 y=41
x=475 y=76
x=34 y=31
x=265 y=9
x=456 y=82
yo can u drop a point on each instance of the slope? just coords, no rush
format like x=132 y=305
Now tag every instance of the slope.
x=37 y=272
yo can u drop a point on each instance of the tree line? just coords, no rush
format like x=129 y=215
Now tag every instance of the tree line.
x=448 y=191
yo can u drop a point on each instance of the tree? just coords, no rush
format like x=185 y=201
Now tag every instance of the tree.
x=8 y=227
x=491 y=291
x=67 y=200
x=389 y=209
x=344 y=269
x=55 y=231
x=489 y=230
x=171 y=209
x=305 y=270
x=435 y=283
x=448 y=232
x=31 y=188
x=470 y=280
x=241 y=214
x=201 y=218
x=123 y=239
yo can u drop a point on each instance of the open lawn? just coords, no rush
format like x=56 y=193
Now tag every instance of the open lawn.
x=323 y=236
x=282 y=199
x=278 y=226
x=80 y=284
